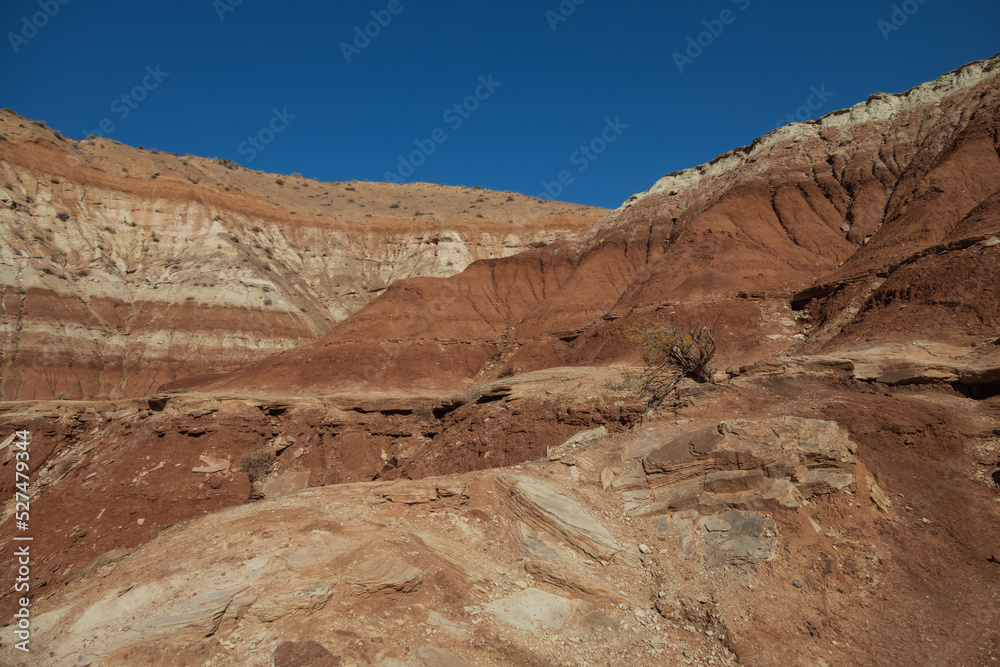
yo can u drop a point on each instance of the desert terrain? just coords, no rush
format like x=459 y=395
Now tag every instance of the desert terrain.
x=276 y=421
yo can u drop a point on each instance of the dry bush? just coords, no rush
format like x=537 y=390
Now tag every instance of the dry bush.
x=257 y=463
x=467 y=395
x=506 y=371
x=669 y=354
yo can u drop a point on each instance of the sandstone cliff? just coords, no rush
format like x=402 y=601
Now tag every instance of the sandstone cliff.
x=123 y=269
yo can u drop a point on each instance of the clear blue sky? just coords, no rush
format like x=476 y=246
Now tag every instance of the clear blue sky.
x=221 y=79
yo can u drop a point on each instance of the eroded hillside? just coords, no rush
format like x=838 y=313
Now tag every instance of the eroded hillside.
x=456 y=475
x=124 y=269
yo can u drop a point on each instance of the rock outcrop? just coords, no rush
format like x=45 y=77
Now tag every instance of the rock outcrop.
x=277 y=568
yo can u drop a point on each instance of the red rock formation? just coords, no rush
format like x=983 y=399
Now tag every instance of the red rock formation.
x=125 y=269
x=836 y=202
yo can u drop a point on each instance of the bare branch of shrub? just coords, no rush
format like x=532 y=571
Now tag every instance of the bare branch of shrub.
x=257 y=464
x=669 y=354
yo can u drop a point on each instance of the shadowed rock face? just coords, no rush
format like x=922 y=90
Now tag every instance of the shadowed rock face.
x=845 y=218
x=114 y=282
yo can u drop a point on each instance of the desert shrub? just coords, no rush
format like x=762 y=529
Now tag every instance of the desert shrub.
x=506 y=370
x=669 y=354
x=467 y=395
x=279 y=181
x=61 y=396
x=257 y=463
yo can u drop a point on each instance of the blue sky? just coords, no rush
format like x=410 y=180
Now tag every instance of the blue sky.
x=592 y=93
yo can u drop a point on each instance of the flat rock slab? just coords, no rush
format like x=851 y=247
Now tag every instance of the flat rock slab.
x=735 y=535
x=586 y=437
x=543 y=509
x=415 y=493
x=212 y=465
x=534 y=544
x=285 y=483
x=448 y=626
x=533 y=610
